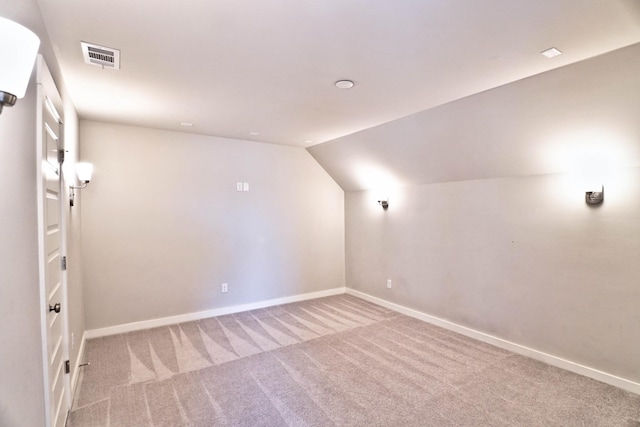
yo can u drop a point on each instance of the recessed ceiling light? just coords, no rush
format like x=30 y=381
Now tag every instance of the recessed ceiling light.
x=308 y=141
x=552 y=52
x=254 y=133
x=186 y=124
x=344 y=84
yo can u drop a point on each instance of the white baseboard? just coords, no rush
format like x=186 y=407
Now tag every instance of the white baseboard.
x=76 y=370
x=507 y=345
x=164 y=321
x=472 y=333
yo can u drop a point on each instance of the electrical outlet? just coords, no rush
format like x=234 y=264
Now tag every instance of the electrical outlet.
x=225 y=287
x=238 y=186
x=245 y=186
x=389 y=283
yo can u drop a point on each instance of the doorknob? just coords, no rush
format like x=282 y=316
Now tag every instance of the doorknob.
x=55 y=308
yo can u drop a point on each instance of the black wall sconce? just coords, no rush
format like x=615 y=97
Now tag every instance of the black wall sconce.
x=84 y=172
x=384 y=204
x=594 y=197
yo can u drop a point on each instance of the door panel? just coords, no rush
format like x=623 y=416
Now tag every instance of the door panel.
x=52 y=285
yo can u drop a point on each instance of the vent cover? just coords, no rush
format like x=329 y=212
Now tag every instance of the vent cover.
x=101 y=56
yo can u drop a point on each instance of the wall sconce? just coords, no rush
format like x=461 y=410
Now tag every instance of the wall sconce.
x=83 y=171
x=384 y=203
x=18 y=50
x=595 y=197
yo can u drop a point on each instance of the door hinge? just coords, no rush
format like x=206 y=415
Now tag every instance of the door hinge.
x=67 y=367
x=61 y=156
x=63 y=263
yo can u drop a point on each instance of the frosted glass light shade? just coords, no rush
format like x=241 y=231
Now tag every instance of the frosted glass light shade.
x=18 y=50
x=84 y=171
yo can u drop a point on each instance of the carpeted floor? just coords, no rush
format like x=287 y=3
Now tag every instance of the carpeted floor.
x=336 y=361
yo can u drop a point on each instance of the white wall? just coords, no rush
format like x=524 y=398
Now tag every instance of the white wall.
x=163 y=225
x=485 y=229
x=21 y=386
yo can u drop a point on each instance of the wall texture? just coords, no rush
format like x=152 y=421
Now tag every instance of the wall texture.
x=163 y=225
x=484 y=227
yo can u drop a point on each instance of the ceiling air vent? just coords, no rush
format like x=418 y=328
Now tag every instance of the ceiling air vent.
x=101 y=56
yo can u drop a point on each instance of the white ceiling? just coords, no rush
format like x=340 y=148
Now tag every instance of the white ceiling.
x=233 y=67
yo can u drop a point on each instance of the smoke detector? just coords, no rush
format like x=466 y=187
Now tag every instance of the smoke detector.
x=101 y=56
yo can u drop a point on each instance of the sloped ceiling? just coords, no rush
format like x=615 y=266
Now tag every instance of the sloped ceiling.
x=579 y=119
x=240 y=68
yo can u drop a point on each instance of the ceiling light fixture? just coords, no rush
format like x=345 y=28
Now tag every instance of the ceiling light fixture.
x=344 y=84
x=18 y=50
x=254 y=133
x=186 y=124
x=552 y=52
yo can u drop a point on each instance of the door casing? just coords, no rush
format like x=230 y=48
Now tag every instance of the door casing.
x=51 y=232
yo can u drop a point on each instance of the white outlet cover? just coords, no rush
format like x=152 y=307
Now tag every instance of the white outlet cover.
x=389 y=283
x=245 y=186
x=238 y=186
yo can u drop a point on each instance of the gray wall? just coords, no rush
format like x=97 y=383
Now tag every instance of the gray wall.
x=524 y=259
x=484 y=227
x=163 y=225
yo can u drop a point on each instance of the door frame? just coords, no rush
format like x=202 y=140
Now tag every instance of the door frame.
x=46 y=90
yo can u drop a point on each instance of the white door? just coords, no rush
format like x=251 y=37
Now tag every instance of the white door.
x=52 y=285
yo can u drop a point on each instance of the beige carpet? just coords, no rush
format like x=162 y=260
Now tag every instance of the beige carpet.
x=336 y=361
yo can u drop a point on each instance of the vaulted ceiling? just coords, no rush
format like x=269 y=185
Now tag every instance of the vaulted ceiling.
x=265 y=70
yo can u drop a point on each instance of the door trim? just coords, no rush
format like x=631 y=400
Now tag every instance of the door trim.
x=46 y=87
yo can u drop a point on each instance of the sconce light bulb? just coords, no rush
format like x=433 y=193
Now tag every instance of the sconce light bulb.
x=84 y=171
